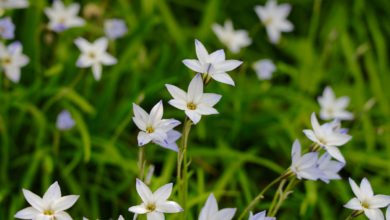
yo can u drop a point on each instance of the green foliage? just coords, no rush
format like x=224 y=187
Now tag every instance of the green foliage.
x=234 y=154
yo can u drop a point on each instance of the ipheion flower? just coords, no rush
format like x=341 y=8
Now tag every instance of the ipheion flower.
x=264 y=69
x=194 y=103
x=304 y=166
x=154 y=128
x=366 y=201
x=94 y=55
x=115 y=28
x=328 y=137
x=12 y=59
x=332 y=107
x=329 y=168
x=154 y=205
x=233 y=39
x=7 y=28
x=274 y=17
x=213 y=65
x=65 y=121
x=50 y=207
x=210 y=211
x=62 y=18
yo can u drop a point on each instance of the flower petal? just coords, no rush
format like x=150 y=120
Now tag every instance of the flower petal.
x=226 y=214
x=97 y=71
x=176 y=92
x=27 y=213
x=144 y=191
x=223 y=78
x=201 y=52
x=34 y=200
x=195 y=89
x=193 y=65
x=335 y=153
x=156 y=113
x=374 y=214
x=354 y=204
x=53 y=193
x=169 y=207
x=163 y=193
x=210 y=99
x=139 y=209
x=143 y=138
x=356 y=190
x=193 y=115
x=64 y=203
x=379 y=201
x=366 y=189
x=63 y=216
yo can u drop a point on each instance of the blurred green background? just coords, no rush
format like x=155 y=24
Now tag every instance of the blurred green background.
x=343 y=44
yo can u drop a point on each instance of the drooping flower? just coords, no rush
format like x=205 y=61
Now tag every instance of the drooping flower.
x=50 y=206
x=65 y=121
x=7 y=28
x=195 y=103
x=94 y=55
x=154 y=205
x=210 y=211
x=304 y=166
x=214 y=65
x=260 y=216
x=332 y=107
x=154 y=128
x=329 y=168
x=10 y=4
x=115 y=28
x=327 y=137
x=233 y=39
x=12 y=60
x=264 y=69
x=366 y=201
x=62 y=18
x=274 y=17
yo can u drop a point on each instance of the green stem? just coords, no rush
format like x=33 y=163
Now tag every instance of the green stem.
x=278 y=194
x=141 y=162
x=56 y=142
x=182 y=166
x=354 y=214
x=283 y=197
x=261 y=195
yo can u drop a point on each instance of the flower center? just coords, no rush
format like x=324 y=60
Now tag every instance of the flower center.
x=92 y=55
x=366 y=205
x=149 y=130
x=267 y=21
x=48 y=212
x=6 y=60
x=151 y=207
x=191 y=106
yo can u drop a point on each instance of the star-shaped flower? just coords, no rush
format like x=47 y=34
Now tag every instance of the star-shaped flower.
x=10 y=4
x=195 y=103
x=115 y=28
x=12 y=59
x=327 y=137
x=233 y=39
x=274 y=17
x=260 y=216
x=7 y=28
x=210 y=211
x=94 y=55
x=62 y=18
x=304 y=166
x=366 y=201
x=154 y=128
x=65 y=121
x=214 y=65
x=154 y=205
x=329 y=168
x=332 y=107
x=51 y=206
x=264 y=69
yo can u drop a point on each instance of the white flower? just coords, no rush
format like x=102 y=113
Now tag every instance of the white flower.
x=213 y=65
x=94 y=54
x=366 y=201
x=260 y=216
x=51 y=206
x=154 y=205
x=65 y=121
x=9 y=4
x=210 y=211
x=233 y=39
x=62 y=18
x=121 y=218
x=195 y=103
x=274 y=17
x=7 y=28
x=115 y=28
x=12 y=60
x=327 y=137
x=329 y=168
x=264 y=69
x=154 y=128
x=332 y=107
x=304 y=166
